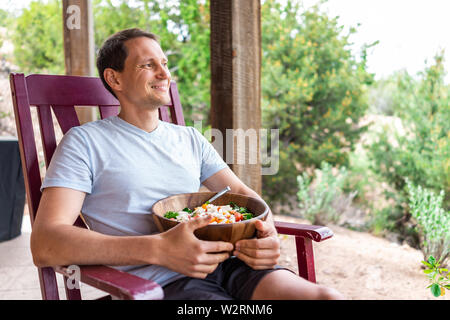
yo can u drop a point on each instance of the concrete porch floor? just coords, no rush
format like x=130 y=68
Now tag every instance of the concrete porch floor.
x=19 y=277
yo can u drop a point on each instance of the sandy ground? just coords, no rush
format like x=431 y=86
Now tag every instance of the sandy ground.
x=362 y=266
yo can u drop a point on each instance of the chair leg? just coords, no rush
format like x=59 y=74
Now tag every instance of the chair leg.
x=49 y=286
x=305 y=258
x=71 y=294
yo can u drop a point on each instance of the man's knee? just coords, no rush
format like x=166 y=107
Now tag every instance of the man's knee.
x=326 y=293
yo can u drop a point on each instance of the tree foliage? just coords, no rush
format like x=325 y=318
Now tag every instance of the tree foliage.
x=38 y=38
x=422 y=152
x=313 y=89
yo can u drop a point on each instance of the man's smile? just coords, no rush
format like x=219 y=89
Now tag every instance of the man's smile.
x=160 y=87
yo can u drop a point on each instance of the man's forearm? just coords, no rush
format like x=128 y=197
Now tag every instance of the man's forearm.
x=67 y=245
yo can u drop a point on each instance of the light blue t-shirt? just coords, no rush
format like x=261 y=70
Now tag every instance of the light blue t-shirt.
x=124 y=170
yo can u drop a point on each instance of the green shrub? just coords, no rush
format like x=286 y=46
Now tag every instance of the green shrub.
x=413 y=143
x=316 y=199
x=420 y=149
x=439 y=277
x=281 y=188
x=433 y=222
x=383 y=220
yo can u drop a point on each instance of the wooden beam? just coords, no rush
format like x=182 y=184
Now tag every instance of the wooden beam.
x=235 y=81
x=78 y=25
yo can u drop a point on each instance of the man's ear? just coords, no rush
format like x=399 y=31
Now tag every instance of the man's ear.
x=113 y=79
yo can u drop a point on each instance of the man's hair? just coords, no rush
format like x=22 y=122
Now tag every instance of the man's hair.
x=113 y=52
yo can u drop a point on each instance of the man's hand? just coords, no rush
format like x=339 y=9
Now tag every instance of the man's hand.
x=262 y=252
x=183 y=252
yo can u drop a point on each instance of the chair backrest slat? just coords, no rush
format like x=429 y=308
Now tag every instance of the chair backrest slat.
x=27 y=145
x=108 y=111
x=61 y=94
x=164 y=114
x=68 y=90
x=47 y=132
x=176 y=110
x=66 y=116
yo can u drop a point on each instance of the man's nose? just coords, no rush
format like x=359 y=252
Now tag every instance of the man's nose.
x=163 y=72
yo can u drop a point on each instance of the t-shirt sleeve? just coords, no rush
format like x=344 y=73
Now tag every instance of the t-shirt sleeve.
x=211 y=161
x=70 y=165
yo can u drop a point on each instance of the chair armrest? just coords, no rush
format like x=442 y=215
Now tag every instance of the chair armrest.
x=117 y=283
x=316 y=233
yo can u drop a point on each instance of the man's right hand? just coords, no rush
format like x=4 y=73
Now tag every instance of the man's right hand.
x=183 y=252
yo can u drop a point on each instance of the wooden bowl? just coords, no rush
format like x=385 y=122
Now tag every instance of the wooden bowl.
x=230 y=232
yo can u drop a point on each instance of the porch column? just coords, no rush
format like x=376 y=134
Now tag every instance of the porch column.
x=79 y=53
x=235 y=83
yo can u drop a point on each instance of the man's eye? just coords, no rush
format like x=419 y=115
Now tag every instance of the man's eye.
x=152 y=65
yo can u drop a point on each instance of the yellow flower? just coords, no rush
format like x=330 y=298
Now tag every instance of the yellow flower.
x=346 y=102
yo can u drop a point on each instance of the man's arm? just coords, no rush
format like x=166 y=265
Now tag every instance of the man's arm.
x=55 y=241
x=260 y=253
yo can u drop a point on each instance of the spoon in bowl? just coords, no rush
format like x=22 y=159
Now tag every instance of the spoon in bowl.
x=220 y=193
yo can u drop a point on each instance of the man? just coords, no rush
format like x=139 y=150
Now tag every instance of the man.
x=113 y=170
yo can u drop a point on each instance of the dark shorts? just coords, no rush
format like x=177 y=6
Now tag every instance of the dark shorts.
x=231 y=280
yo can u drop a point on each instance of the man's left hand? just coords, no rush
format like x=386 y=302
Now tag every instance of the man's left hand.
x=263 y=251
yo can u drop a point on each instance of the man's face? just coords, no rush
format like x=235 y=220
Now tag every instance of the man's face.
x=145 y=78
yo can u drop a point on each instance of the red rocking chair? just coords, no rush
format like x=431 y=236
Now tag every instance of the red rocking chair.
x=61 y=94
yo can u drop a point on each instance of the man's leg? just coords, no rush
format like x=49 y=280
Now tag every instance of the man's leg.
x=285 y=285
x=195 y=289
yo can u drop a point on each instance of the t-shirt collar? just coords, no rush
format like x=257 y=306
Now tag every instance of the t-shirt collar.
x=124 y=124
